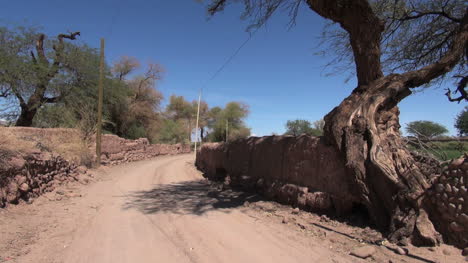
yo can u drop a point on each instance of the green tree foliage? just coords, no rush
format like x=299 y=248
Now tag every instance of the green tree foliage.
x=298 y=127
x=36 y=70
x=425 y=129
x=233 y=115
x=461 y=122
x=132 y=104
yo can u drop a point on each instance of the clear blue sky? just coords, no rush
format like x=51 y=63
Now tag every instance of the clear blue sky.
x=276 y=73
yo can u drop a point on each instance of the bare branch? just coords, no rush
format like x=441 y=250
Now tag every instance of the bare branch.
x=460 y=89
x=421 y=14
x=40 y=49
x=445 y=64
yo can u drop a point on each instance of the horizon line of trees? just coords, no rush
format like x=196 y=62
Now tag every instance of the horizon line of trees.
x=53 y=82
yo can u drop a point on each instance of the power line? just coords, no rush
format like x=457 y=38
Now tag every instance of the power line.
x=230 y=58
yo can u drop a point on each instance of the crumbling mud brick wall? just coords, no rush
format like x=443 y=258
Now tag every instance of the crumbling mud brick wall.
x=307 y=173
x=301 y=171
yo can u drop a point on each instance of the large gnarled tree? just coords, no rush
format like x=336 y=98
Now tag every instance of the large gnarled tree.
x=415 y=43
x=29 y=76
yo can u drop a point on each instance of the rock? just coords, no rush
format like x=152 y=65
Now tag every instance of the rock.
x=456 y=227
x=363 y=252
x=285 y=220
x=246 y=203
x=20 y=179
x=427 y=235
x=463 y=218
x=446 y=252
x=295 y=211
x=403 y=242
x=448 y=188
x=401 y=251
x=24 y=187
x=439 y=188
x=452 y=208
x=465 y=251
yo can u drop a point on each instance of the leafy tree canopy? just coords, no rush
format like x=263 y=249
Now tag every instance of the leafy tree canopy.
x=425 y=129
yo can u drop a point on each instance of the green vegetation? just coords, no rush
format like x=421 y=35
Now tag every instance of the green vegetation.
x=441 y=150
x=49 y=82
x=298 y=127
x=461 y=122
x=425 y=129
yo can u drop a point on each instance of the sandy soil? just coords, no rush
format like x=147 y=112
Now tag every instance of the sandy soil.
x=162 y=210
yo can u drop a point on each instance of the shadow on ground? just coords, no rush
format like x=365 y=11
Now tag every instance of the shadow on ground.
x=191 y=197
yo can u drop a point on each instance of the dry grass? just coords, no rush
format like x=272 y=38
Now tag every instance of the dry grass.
x=64 y=142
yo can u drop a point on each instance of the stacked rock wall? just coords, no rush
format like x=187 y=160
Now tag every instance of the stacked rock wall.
x=26 y=175
x=116 y=150
x=448 y=201
x=307 y=173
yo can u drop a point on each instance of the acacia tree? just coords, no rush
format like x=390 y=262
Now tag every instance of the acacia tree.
x=425 y=129
x=364 y=128
x=30 y=76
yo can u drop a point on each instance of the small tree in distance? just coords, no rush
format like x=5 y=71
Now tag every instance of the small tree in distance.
x=461 y=122
x=425 y=129
x=298 y=127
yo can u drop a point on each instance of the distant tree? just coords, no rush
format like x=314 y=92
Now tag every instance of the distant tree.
x=124 y=66
x=461 y=122
x=35 y=71
x=319 y=125
x=233 y=115
x=298 y=127
x=425 y=129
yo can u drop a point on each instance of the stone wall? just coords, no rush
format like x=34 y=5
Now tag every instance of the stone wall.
x=448 y=201
x=307 y=173
x=26 y=174
x=116 y=150
x=27 y=177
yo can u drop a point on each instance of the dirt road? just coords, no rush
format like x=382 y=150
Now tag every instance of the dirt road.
x=162 y=210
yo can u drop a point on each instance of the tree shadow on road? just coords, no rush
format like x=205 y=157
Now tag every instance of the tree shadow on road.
x=191 y=197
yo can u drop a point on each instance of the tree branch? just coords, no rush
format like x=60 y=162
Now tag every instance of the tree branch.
x=421 y=14
x=424 y=75
x=216 y=6
x=40 y=49
x=365 y=33
x=460 y=89
x=52 y=100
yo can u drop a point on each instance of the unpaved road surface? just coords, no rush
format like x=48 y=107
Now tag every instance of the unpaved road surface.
x=162 y=210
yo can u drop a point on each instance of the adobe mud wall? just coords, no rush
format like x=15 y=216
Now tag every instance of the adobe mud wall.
x=306 y=173
x=301 y=171
x=26 y=175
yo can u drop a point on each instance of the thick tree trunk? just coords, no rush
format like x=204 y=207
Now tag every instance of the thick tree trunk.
x=26 y=117
x=387 y=178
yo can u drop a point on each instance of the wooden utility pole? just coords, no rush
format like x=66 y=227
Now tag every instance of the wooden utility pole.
x=100 y=99
x=227 y=130
x=196 y=129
